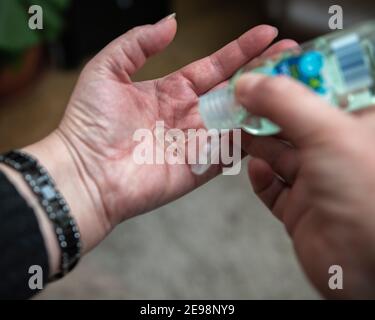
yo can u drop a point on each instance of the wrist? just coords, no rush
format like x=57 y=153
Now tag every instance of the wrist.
x=85 y=205
x=45 y=226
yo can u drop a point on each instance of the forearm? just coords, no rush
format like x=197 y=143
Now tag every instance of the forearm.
x=53 y=154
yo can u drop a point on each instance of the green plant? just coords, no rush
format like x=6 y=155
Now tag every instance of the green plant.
x=16 y=36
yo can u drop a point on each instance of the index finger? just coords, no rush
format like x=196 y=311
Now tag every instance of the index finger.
x=208 y=72
x=302 y=115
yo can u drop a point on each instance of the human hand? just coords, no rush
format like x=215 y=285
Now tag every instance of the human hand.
x=321 y=184
x=106 y=109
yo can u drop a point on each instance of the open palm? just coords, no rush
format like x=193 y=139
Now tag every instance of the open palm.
x=107 y=108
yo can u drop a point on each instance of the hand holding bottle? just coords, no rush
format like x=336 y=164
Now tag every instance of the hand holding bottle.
x=321 y=184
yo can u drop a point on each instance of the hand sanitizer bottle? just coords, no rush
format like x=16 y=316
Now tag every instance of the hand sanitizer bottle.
x=339 y=66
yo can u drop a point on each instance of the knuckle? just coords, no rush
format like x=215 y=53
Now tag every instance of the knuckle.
x=135 y=31
x=138 y=29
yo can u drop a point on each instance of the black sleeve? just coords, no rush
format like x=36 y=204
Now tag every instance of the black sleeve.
x=21 y=244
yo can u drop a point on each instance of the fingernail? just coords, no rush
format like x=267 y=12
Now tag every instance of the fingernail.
x=276 y=31
x=169 y=17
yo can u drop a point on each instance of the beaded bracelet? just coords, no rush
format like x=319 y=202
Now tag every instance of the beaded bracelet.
x=53 y=203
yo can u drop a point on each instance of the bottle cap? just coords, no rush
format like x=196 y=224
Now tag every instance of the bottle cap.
x=219 y=110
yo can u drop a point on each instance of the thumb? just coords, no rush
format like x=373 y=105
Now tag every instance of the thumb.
x=302 y=115
x=129 y=52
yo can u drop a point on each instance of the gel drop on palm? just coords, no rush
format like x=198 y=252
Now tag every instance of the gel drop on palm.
x=339 y=66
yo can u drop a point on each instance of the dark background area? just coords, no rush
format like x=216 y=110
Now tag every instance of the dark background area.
x=90 y=27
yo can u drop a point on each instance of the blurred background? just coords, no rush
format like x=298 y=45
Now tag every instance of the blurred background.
x=219 y=242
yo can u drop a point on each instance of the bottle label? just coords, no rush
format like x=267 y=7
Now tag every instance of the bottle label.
x=352 y=62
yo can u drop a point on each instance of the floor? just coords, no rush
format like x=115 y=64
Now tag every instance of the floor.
x=219 y=242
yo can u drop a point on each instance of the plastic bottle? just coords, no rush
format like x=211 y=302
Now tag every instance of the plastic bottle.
x=339 y=66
